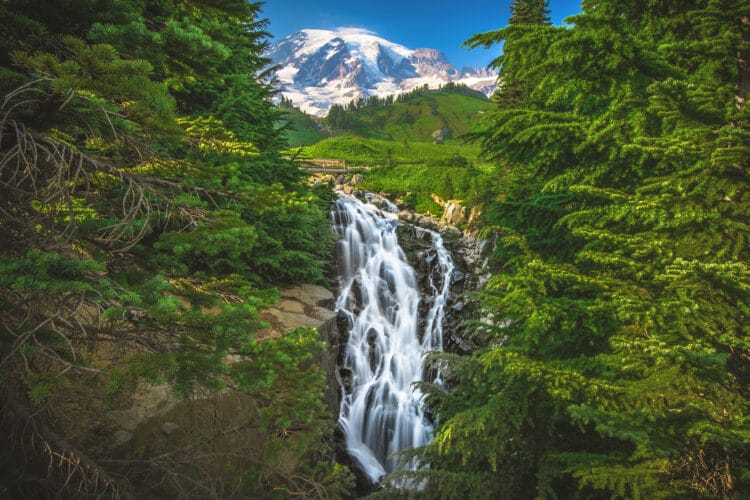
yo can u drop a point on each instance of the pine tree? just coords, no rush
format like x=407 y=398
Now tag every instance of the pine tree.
x=529 y=12
x=618 y=359
x=144 y=191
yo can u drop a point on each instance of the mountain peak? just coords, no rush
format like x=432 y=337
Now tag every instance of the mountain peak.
x=319 y=68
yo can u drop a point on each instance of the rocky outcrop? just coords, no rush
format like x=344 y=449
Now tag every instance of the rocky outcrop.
x=299 y=306
x=470 y=258
x=454 y=213
x=154 y=409
x=440 y=135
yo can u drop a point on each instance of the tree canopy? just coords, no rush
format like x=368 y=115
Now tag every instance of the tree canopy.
x=147 y=211
x=617 y=359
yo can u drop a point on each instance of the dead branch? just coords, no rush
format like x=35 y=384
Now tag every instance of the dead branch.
x=69 y=470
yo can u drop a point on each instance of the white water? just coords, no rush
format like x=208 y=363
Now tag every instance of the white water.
x=383 y=414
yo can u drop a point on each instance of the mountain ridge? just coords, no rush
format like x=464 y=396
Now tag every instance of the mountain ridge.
x=318 y=68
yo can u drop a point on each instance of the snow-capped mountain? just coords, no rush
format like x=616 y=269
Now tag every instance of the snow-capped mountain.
x=319 y=68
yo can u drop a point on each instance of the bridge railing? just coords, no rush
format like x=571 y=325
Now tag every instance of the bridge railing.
x=328 y=165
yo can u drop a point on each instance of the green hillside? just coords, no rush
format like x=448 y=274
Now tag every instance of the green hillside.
x=413 y=116
x=396 y=134
x=373 y=152
x=303 y=129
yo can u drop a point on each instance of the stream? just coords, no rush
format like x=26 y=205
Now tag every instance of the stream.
x=381 y=412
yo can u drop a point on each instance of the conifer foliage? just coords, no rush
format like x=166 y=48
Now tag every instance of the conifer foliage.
x=146 y=213
x=617 y=361
x=529 y=12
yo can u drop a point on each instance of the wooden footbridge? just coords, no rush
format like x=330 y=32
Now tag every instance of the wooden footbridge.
x=327 y=165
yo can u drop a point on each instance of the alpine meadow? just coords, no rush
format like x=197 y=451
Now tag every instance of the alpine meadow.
x=337 y=267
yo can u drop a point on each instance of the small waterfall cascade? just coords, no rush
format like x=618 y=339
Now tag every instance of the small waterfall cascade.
x=381 y=413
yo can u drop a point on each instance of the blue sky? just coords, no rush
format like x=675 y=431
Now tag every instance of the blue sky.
x=438 y=24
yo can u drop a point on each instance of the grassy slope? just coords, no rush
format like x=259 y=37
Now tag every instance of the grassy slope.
x=304 y=129
x=401 y=132
x=420 y=115
x=397 y=141
x=374 y=152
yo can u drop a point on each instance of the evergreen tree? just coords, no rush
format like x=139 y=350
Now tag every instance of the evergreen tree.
x=144 y=188
x=529 y=12
x=618 y=356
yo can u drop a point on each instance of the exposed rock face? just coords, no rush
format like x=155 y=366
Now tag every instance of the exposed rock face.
x=433 y=62
x=469 y=256
x=299 y=306
x=439 y=136
x=454 y=213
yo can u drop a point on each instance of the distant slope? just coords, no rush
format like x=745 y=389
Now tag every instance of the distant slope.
x=413 y=117
x=304 y=130
x=373 y=152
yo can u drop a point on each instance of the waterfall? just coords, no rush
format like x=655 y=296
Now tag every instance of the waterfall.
x=381 y=413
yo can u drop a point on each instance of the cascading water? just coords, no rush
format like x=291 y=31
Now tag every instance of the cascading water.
x=381 y=413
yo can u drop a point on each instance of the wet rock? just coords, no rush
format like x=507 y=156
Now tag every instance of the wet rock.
x=347 y=377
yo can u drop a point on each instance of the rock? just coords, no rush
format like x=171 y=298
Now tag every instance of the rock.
x=453 y=213
x=321 y=313
x=121 y=437
x=474 y=214
x=347 y=377
x=437 y=199
x=357 y=179
x=348 y=188
x=287 y=321
x=450 y=232
x=308 y=294
x=406 y=216
x=169 y=428
x=148 y=401
x=439 y=136
x=288 y=305
x=340 y=180
x=299 y=306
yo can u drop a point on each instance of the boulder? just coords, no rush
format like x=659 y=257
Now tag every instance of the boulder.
x=357 y=179
x=439 y=136
x=453 y=213
x=299 y=306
